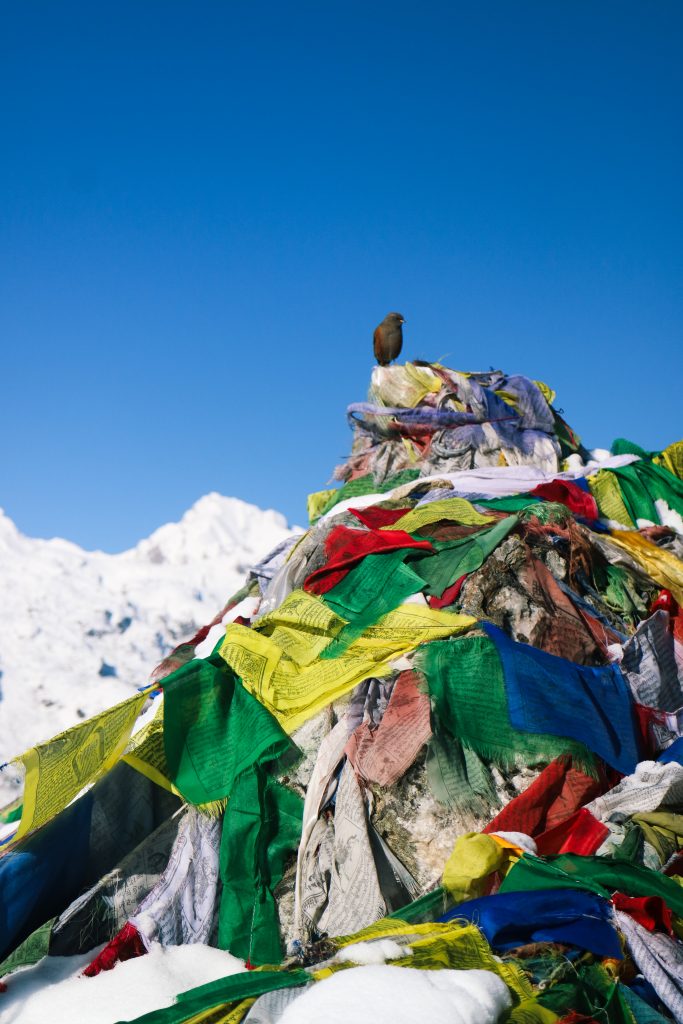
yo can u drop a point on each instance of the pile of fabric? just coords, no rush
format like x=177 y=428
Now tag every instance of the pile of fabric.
x=442 y=730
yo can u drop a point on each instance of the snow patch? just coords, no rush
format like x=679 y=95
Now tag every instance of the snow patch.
x=402 y=995
x=55 y=990
x=81 y=630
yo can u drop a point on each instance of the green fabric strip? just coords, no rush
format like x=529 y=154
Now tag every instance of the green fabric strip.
x=457 y=776
x=31 y=950
x=217 y=739
x=643 y=1013
x=456 y=558
x=11 y=813
x=214 y=730
x=620 y=446
x=246 y=985
x=465 y=676
x=374 y=587
x=425 y=908
x=366 y=485
x=597 y=874
x=642 y=483
x=511 y=503
x=591 y=992
x=570 y=441
x=261 y=829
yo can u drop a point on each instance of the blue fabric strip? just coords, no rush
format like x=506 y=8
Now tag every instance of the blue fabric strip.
x=547 y=694
x=673 y=753
x=570 y=916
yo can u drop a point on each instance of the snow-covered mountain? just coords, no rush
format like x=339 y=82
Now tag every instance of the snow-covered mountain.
x=83 y=629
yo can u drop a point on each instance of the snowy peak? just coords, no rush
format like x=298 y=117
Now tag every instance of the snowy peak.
x=213 y=524
x=83 y=629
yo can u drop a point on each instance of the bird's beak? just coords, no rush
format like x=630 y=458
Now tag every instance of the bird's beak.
x=404 y=321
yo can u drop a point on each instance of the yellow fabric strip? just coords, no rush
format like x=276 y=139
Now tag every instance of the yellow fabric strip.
x=463 y=948
x=530 y=1011
x=607 y=493
x=316 y=502
x=146 y=752
x=475 y=856
x=456 y=510
x=452 y=945
x=672 y=459
x=279 y=660
x=388 y=927
x=663 y=567
x=508 y=398
x=548 y=393
x=229 y=1013
x=58 y=770
x=403 y=386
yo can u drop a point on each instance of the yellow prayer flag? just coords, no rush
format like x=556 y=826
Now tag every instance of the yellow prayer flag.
x=58 y=770
x=475 y=855
x=672 y=459
x=548 y=393
x=605 y=489
x=403 y=385
x=146 y=752
x=452 y=945
x=456 y=510
x=530 y=1011
x=279 y=659
x=663 y=567
x=317 y=501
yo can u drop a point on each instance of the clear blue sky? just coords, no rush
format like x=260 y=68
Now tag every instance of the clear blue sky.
x=206 y=207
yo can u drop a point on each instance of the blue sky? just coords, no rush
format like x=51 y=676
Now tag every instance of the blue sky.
x=206 y=207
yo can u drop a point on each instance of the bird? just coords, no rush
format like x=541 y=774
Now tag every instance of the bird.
x=388 y=338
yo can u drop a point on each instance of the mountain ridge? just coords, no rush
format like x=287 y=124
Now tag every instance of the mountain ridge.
x=83 y=629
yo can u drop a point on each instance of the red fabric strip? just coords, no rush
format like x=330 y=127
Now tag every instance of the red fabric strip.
x=646 y=718
x=574 y=1017
x=650 y=911
x=449 y=595
x=578 y=501
x=558 y=792
x=582 y=833
x=346 y=547
x=126 y=945
x=385 y=753
x=375 y=517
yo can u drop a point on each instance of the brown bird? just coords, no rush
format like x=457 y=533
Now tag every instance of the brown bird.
x=388 y=338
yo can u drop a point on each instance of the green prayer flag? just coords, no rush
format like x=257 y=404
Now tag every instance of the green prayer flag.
x=218 y=738
x=246 y=985
x=509 y=503
x=214 y=729
x=366 y=485
x=601 y=875
x=456 y=558
x=467 y=688
x=261 y=829
x=643 y=484
x=373 y=588
x=30 y=951
x=457 y=776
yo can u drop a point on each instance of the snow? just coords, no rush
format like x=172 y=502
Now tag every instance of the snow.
x=365 y=995
x=55 y=991
x=377 y=952
x=82 y=630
